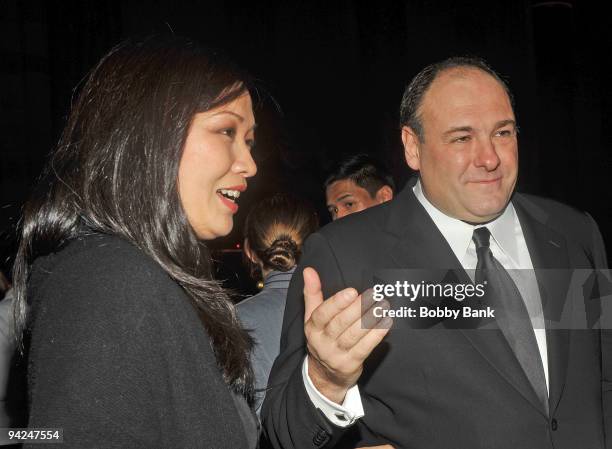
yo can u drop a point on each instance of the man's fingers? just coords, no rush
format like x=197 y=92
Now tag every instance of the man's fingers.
x=330 y=316
x=362 y=349
x=361 y=324
x=346 y=311
x=346 y=318
x=335 y=337
x=323 y=311
x=313 y=296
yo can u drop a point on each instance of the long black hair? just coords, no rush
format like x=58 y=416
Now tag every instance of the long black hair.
x=115 y=171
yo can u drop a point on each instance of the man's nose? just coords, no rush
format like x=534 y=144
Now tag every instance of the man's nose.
x=486 y=155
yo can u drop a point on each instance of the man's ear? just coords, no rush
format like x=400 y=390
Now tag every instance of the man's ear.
x=385 y=193
x=411 y=148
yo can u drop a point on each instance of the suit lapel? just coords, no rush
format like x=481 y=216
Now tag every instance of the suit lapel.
x=549 y=256
x=419 y=242
x=421 y=245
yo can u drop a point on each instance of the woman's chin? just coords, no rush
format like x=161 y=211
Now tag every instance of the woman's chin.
x=212 y=229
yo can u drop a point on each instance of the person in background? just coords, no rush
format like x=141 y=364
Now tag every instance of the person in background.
x=133 y=342
x=274 y=232
x=7 y=349
x=355 y=184
x=5 y=285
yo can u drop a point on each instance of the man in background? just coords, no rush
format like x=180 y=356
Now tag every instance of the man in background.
x=357 y=183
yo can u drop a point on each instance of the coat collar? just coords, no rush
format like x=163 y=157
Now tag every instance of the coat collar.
x=278 y=279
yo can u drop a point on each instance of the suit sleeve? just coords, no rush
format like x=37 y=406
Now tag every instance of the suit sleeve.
x=600 y=262
x=290 y=420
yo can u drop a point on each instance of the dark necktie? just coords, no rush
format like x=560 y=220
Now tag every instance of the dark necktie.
x=510 y=313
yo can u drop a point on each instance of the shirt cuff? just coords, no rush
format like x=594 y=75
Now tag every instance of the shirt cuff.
x=341 y=415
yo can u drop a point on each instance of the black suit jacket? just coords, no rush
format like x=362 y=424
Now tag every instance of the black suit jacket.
x=441 y=388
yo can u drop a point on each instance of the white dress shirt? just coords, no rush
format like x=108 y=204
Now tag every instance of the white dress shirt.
x=508 y=247
x=341 y=415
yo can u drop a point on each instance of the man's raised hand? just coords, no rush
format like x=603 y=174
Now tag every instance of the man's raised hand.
x=337 y=342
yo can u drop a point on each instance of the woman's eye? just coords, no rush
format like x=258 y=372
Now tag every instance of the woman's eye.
x=250 y=143
x=229 y=132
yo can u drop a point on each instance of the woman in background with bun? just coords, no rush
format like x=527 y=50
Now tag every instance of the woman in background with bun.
x=275 y=231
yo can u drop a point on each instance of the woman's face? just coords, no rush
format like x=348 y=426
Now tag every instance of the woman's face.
x=215 y=165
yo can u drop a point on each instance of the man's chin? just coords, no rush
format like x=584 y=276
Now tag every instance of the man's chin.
x=481 y=215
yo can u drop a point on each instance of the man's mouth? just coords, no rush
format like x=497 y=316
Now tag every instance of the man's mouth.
x=485 y=181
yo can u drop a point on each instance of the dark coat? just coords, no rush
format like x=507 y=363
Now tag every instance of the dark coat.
x=119 y=357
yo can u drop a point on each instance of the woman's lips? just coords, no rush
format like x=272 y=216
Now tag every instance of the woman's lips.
x=229 y=203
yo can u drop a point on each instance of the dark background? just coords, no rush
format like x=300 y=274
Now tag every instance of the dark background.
x=332 y=75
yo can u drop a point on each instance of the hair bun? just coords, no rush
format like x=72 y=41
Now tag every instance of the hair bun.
x=282 y=254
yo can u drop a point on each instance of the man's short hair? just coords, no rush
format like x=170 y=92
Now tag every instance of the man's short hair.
x=415 y=91
x=363 y=170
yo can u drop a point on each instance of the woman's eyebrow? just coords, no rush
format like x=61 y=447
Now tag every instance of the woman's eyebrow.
x=238 y=116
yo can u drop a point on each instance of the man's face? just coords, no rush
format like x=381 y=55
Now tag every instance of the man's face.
x=344 y=197
x=468 y=157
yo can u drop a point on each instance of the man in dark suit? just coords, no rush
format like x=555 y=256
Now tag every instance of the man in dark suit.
x=524 y=383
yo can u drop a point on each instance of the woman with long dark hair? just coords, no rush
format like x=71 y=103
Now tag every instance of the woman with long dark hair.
x=132 y=341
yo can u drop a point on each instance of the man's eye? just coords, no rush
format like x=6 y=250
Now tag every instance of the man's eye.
x=504 y=133
x=348 y=204
x=462 y=139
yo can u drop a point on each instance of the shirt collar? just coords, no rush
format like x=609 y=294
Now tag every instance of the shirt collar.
x=458 y=234
x=278 y=279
